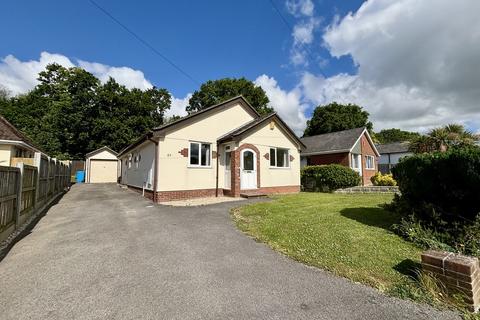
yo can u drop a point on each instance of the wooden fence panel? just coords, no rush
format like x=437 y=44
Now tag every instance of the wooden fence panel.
x=9 y=180
x=51 y=178
x=29 y=184
x=43 y=184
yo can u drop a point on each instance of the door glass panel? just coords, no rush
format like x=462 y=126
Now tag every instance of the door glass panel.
x=227 y=160
x=248 y=160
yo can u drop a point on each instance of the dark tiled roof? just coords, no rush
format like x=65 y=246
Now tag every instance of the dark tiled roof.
x=395 y=147
x=9 y=132
x=340 y=141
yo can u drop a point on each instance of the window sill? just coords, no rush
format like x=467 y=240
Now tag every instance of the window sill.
x=370 y=169
x=280 y=168
x=199 y=167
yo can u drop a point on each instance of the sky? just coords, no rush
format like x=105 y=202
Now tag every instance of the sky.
x=412 y=64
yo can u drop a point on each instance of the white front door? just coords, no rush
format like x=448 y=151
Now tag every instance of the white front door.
x=248 y=170
x=228 y=173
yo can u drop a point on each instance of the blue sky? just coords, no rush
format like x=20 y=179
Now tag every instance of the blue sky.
x=380 y=54
x=208 y=39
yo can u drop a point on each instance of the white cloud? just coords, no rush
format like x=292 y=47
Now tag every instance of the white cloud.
x=178 y=106
x=303 y=32
x=126 y=76
x=21 y=76
x=417 y=63
x=288 y=104
x=300 y=7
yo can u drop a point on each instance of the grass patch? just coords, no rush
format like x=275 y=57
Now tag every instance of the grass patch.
x=348 y=235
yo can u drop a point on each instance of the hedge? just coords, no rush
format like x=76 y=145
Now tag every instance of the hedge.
x=328 y=177
x=441 y=188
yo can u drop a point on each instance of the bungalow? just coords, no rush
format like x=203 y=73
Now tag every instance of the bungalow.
x=226 y=149
x=352 y=148
x=14 y=144
x=391 y=153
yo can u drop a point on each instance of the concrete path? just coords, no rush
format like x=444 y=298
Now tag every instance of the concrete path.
x=106 y=253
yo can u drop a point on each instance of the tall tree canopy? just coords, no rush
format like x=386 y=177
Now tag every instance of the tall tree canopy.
x=444 y=138
x=336 y=117
x=395 y=135
x=217 y=91
x=70 y=113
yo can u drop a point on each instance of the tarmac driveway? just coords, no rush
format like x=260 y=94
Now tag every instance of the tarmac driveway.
x=106 y=253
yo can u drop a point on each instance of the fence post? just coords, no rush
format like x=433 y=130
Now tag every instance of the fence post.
x=19 y=194
x=37 y=163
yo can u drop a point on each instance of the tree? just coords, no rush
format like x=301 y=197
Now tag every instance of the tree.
x=216 y=91
x=444 y=138
x=70 y=113
x=395 y=135
x=337 y=117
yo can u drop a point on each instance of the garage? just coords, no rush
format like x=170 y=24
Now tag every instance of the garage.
x=101 y=166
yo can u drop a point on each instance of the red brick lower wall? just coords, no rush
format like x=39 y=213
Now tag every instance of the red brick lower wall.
x=148 y=193
x=281 y=189
x=164 y=196
x=337 y=158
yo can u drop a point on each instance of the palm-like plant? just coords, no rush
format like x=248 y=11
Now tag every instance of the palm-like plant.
x=444 y=138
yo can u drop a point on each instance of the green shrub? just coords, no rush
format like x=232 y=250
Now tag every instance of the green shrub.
x=380 y=179
x=328 y=177
x=441 y=188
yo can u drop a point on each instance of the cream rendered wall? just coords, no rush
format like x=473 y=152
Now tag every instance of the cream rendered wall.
x=264 y=138
x=143 y=175
x=5 y=154
x=174 y=172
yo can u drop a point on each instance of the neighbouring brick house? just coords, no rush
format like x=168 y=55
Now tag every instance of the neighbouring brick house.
x=226 y=149
x=352 y=148
x=391 y=153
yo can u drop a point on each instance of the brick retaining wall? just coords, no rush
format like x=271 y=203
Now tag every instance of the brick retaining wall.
x=460 y=274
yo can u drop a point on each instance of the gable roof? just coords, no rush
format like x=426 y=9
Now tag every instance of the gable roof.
x=10 y=133
x=256 y=122
x=335 y=142
x=394 y=147
x=104 y=148
x=238 y=99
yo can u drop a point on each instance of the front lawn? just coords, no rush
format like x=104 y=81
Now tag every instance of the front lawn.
x=347 y=234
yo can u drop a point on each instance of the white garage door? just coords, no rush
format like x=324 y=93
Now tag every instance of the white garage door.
x=103 y=171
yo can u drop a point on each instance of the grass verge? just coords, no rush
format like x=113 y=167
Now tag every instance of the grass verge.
x=347 y=234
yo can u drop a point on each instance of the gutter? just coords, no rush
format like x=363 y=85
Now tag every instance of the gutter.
x=216 y=174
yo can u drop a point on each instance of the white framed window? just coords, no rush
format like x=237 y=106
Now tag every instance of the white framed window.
x=130 y=161
x=279 y=158
x=199 y=154
x=369 y=162
x=355 y=161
